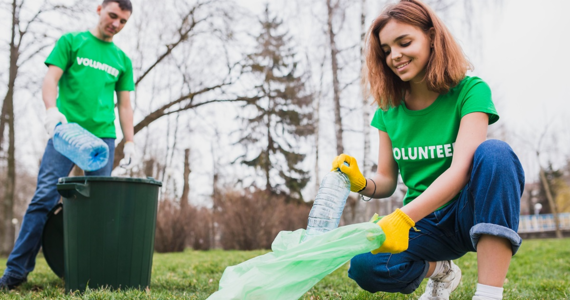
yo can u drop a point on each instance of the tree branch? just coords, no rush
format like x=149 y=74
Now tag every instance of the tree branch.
x=23 y=61
x=183 y=36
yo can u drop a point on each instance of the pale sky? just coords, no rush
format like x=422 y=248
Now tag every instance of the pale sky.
x=525 y=60
x=526 y=54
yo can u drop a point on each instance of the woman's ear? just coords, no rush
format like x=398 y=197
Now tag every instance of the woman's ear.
x=431 y=35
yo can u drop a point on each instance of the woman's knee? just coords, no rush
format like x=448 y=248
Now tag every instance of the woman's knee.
x=493 y=149
x=362 y=271
x=498 y=157
x=377 y=273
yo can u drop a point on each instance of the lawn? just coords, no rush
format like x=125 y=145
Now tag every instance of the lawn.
x=541 y=270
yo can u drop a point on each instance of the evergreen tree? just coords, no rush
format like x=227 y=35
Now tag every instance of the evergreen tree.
x=276 y=122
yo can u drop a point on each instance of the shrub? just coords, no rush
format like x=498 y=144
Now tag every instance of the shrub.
x=181 y=225
x=252 y=220
x=170 y=234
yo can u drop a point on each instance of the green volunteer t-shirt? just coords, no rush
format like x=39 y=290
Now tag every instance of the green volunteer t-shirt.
x=93 y=71
x=423 y=140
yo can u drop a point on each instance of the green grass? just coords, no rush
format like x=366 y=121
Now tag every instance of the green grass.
x=541 y=270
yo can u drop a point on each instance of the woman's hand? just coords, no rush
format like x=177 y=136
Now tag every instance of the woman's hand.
x=357 y=180
x=396 y=227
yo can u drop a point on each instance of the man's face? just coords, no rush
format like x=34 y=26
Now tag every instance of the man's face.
x=111 y=20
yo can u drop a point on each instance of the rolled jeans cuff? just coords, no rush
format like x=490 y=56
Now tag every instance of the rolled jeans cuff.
x=495 y=230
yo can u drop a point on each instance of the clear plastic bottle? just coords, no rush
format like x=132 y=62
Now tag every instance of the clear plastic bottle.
x=329 y=204
x=84 y=149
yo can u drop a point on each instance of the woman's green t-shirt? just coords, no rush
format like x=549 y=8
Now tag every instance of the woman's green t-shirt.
x=93 y=71
x=423 y=140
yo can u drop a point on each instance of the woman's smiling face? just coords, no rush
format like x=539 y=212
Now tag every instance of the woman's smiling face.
x=407 y=49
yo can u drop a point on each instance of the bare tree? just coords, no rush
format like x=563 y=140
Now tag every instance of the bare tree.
x=331 y=8
x=196 y=21
x=366 y=158
x=186 y=187
x=550 y=198
x=21 y=50
x=546 y=185
x=318 y=95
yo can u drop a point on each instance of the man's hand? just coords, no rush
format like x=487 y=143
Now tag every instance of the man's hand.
x=357 y=180
x=53 y=117
x=396 y=227
x=128 y=162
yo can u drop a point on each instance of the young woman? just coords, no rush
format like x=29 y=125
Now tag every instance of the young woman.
x=463 y=191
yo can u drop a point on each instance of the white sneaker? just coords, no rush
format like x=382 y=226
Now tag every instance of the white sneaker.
x=440 y=287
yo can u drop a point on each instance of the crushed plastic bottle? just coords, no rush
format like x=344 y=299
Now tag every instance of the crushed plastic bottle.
x=329 y=204
x=84 y=149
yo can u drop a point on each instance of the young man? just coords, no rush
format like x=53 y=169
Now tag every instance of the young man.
x=88 y=68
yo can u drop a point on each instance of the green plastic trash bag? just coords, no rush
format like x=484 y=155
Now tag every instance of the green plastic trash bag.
x=293 y=267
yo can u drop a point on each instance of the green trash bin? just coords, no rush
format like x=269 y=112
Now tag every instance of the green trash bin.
x=109 y=225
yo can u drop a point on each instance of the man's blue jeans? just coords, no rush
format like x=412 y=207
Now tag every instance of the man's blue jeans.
x=54 y=165
x=488 y=205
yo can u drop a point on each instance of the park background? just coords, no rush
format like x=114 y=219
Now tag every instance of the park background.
x=240 y=106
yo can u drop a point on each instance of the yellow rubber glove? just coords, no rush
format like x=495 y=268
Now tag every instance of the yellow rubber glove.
x=396 y=227
x=357 y=180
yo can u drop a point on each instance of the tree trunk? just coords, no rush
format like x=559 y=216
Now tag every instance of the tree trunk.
x=149 y=168
x=8 y=120
x=336 y=88
x=184 y=202
x=215 y=204
x=13 y=72
x=10 y=184
x=266 y=165
x=186 y=187
x=3 y=120
x=366 y=161
x=551 y=202
x=317 y=120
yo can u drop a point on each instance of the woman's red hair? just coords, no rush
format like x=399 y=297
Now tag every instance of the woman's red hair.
x=446 y=66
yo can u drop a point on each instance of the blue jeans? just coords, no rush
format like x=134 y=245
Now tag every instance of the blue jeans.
x=488 y=205
x=54 y=165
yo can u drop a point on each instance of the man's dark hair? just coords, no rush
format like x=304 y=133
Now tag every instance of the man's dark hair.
x=123 y=4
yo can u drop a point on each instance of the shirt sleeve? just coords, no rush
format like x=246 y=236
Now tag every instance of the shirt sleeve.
x=478 y=99
x=61 y=54
x=126 y=82
x=378 y=120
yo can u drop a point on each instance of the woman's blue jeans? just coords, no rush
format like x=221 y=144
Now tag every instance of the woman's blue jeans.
x=488 y=205
x=54 y=165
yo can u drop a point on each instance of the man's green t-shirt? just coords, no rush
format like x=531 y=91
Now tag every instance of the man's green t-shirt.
x=423 y=140
x=93 y=71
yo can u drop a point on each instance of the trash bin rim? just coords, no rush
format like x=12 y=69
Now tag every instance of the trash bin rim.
x=85 y=179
